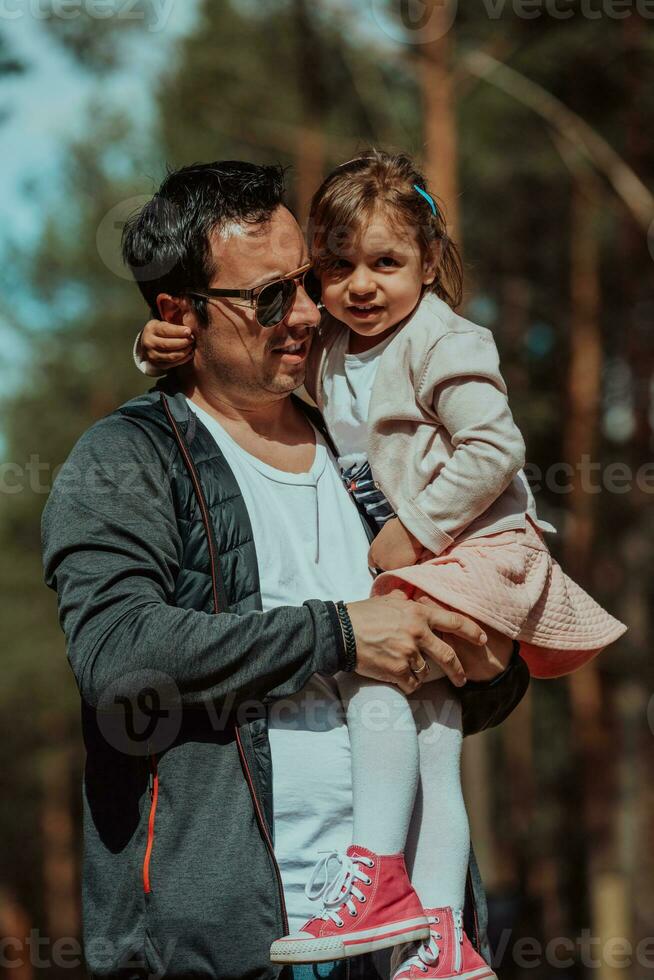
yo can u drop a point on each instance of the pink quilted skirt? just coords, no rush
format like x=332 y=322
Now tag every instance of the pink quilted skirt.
x=510 y=581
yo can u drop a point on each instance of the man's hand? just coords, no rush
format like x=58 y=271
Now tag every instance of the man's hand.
x=395 y=635
x=394 y=547
x=480 y=663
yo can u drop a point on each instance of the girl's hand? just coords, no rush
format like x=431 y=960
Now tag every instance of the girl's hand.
x=394 y=547
x=166 y=345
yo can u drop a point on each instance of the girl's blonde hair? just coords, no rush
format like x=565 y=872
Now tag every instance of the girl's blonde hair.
x=378 y=180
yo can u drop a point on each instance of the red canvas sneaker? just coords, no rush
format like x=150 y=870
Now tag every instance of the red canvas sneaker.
x=368 y=904
x=447 y=955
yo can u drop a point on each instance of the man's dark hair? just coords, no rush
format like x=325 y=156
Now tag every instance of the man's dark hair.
x=167 y=243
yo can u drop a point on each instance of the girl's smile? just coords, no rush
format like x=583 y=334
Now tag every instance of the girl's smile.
x=367 y=312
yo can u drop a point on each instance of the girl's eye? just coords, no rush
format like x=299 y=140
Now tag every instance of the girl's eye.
x=386 y=261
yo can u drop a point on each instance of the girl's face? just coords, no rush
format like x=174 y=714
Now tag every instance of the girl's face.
x=377 y=280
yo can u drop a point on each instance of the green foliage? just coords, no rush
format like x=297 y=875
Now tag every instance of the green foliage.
x=243 y=94
x=94 y=34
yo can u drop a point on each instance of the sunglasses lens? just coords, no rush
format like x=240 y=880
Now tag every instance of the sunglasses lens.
x=274 y=302
x=312 y=286
x=276 y=299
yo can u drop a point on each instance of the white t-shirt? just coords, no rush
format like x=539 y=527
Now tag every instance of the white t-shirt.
x=310 y=544
x=348 y=380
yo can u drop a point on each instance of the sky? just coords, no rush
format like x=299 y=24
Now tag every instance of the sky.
x=47 y=106
x=47 y=103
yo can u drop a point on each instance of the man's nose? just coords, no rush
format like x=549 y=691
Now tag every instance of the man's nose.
x=304 y=311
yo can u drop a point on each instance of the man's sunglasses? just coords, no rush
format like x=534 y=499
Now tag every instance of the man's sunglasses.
x=273 y=300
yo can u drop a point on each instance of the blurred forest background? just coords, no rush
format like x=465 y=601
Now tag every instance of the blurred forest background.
x=535 y=131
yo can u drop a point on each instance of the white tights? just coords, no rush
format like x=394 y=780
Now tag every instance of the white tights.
x=406 y=781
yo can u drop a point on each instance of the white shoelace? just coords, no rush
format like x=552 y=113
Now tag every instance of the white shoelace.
x=340 y=889
x=428 y=952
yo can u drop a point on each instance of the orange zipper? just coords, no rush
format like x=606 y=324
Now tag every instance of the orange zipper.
x=154 y=796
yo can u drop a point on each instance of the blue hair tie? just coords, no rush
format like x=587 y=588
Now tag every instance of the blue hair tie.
x=427 y=198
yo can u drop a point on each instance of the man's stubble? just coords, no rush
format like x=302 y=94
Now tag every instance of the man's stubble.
x=263 y=378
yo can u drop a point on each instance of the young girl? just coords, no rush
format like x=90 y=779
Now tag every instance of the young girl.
x=414 y=400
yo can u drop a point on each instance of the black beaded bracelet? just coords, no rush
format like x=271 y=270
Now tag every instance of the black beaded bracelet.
x=348 y=636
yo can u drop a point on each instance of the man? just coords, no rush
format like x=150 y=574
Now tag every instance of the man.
x=197 y=538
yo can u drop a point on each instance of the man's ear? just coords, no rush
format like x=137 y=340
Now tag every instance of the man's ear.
x=175 y=309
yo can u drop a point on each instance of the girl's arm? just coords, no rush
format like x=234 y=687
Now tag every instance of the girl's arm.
x=161 y=346
x=461 y=386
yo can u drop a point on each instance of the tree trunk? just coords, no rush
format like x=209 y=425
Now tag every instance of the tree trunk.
x=592 y=728
x=15 y=929
x=310 y=145
x=439 y=109
x=57 y=826
x=310 y=166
